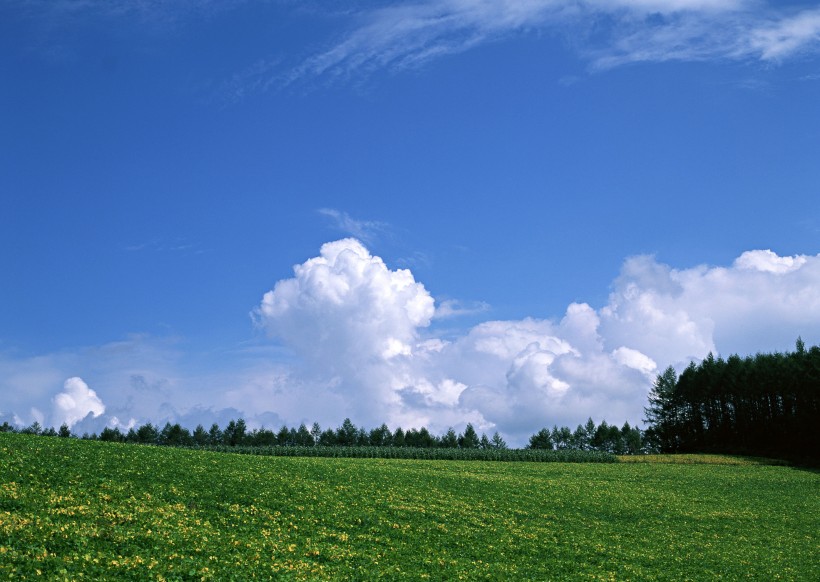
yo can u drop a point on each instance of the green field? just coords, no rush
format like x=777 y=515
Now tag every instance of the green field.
x=72 y=509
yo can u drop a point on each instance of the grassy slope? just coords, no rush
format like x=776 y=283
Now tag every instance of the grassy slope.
x=70 y=508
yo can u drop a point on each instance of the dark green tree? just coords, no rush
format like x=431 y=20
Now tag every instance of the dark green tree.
x=469 y=440
x=283 y=437
x=347 y=434
x=380 y=437
x=147 y=434
x=327 y=438
x=541 y=440
x=303 y=436
x=215 y=435
x=661 y=415
x=200 y=436
x=111 y=435
x=234 y=433
x=450 y=439
x=561 y=437
x=34 y=428
x=398 y=438
x=497 y=441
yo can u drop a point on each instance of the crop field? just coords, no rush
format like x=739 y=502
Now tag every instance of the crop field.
x=73 y=509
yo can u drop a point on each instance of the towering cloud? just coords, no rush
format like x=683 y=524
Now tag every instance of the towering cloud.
x=359 y=329
x=352 y=322
x=360 y=343
x=75 y=402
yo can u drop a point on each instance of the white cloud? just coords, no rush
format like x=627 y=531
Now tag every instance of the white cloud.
x=352 y=321
x=635 y=360
x=770 y=262
x=353 y=338
x=346 y=301
x=518 y=376
x=787 y=36
x=364 y=230
x=410 y=35
x=762 y=302
x=75 y=402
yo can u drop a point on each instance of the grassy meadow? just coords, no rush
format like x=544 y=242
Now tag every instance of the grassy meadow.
x=73 y=509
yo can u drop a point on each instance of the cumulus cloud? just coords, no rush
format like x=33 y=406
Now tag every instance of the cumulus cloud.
x=361 y=329
x=75 y=402
x=351 y=336
x=350 y=319
x=676 y=315
x=769 y=262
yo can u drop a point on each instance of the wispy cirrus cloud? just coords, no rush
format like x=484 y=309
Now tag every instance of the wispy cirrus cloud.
x=365 y=230
x=606 y=33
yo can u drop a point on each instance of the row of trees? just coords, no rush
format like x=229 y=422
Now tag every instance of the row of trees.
x=627 y=440
x=767 y=404
x=236 y=434
x=589 y=437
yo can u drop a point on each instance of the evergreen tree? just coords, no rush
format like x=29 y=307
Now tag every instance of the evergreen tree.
x=316 y=432
x=468 y=440
x=398 y=438
x=498 y=442
x=147 y=434
x=111 y=435
x=580 y=440
x=65 y=432
x=561 y=437
x=200 y=436
x=661 y=414
x=34 y=428
x=327 y=438
x=541 y=440
x=174 y=435
x=283 y=436
x=362 y=437
x=214 y=435
x=380 y=437
x=347 y=434
x=631 y=438
x=450 y=439
x=426 y=439
x=239 y=433
x=303 y=436
x=234 y=433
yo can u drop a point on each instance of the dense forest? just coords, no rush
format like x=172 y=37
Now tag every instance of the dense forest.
x=766 y=405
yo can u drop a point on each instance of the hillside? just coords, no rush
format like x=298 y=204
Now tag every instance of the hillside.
x=71 y=508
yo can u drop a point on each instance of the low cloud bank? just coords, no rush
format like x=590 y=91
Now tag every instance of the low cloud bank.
x=361 y=332
x=351 y=337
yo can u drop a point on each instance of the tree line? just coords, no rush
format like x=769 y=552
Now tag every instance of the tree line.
x=588 y=437
x=765 y=405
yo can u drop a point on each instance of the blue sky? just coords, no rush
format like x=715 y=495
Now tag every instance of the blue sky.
x=165 y=164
